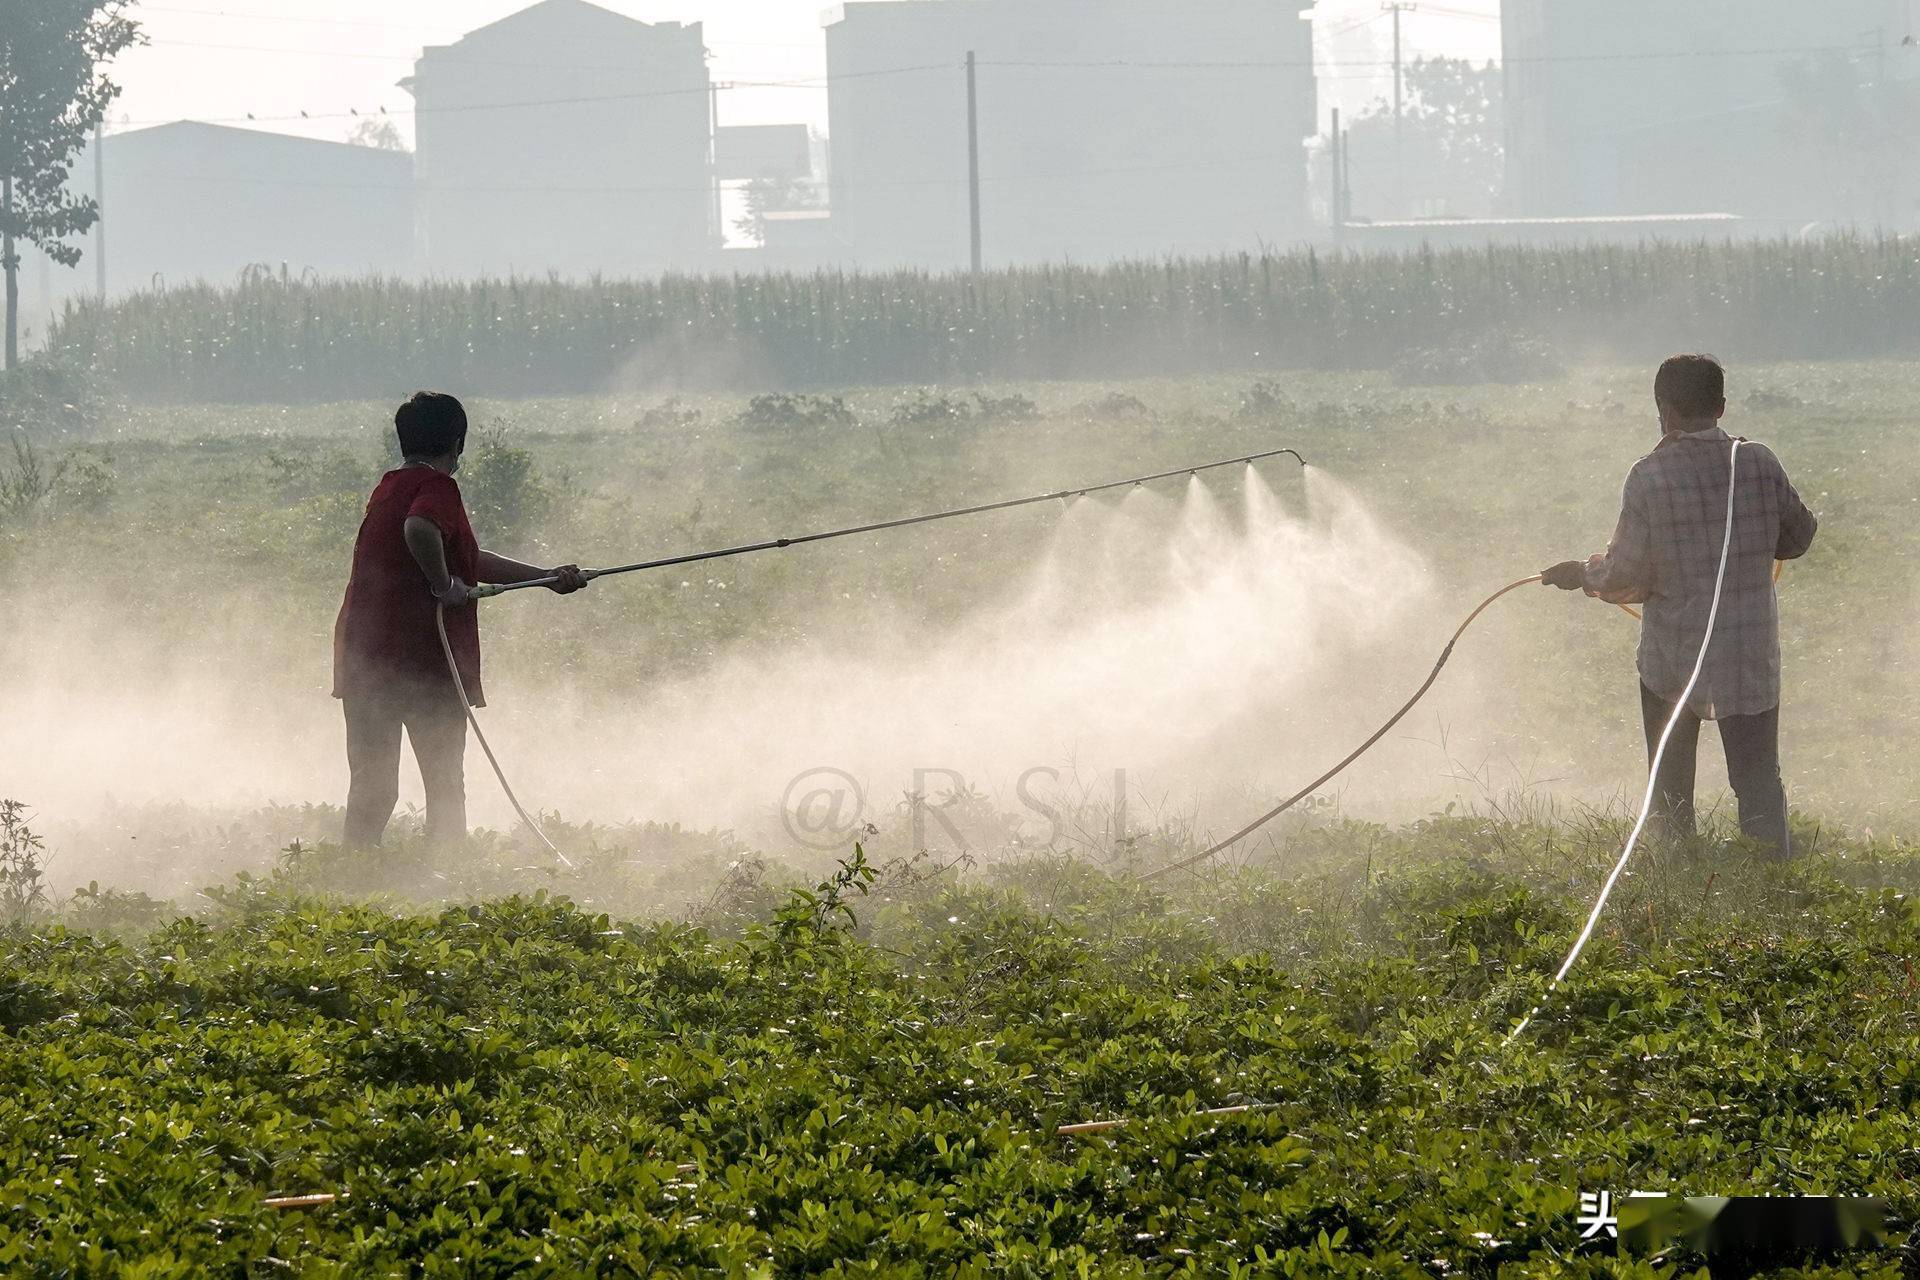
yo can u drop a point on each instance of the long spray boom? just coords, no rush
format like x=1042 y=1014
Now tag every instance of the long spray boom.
x=497 y=588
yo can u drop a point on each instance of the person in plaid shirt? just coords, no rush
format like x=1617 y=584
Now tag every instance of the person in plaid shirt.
x=1665 y=555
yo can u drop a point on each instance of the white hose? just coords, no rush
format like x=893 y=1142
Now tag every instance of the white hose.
x=440 y=624
x=1653 y=769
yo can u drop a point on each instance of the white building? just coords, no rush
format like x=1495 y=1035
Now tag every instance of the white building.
x=565 y=138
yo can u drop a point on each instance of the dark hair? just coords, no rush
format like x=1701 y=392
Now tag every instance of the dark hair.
x=430 y=424
x=1693 y=386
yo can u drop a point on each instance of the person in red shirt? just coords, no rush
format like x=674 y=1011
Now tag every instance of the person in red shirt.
x=416 y=551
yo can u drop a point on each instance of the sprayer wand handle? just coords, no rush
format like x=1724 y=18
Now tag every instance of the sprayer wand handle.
x=487 y=589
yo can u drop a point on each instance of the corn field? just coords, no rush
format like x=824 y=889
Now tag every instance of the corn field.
x=269 y=340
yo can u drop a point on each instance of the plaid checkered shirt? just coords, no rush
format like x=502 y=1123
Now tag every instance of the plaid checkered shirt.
x=1666 y=551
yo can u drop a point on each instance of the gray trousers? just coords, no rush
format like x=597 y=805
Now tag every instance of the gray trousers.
x=436 y=725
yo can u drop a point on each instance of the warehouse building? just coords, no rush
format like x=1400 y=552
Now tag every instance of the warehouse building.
x=190 y=202
x=1107 y=128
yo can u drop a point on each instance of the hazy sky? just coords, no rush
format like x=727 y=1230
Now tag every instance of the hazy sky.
x=223 y=59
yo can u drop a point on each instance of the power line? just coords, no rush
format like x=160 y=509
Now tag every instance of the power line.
x=1051 y=176
x=1090 y=64
x=444 y=32
x=1423 y=8
x=813 y=82
x=367 y=56
x=356 y=55
x=1356 y=24
x=1665 y=55
x=289 y=17
x=821 y=82
x=1040 y=177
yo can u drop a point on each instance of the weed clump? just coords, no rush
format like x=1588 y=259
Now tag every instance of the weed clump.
x=1117 y=406
x=784 y=411
x=670 y=415
x=80 y=480
x=50 y=398
x=1264 y=402
x=293 y=478
x=112 y=912
x=926 y=408
x=503 y=486
x=1008 y=408
x=23 y=856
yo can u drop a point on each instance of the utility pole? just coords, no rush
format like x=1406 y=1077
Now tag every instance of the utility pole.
x=1396 y=8
x=1346 y=178
x=100 y=211
x=1335 y=214
x=1508 y=133
x=716 y=219
x=973 y=166
x=1882 y=195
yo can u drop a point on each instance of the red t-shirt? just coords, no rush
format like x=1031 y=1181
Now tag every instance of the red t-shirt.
x=385 y=638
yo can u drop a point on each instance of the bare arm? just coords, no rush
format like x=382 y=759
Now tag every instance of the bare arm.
x=429 y=552
x=498 y=568
x=495 y=567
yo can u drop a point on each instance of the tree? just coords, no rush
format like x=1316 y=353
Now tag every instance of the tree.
x=53 y=94
x=774 y=193
x=1453 y=148
x=377 y=132
x=1842 y=147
